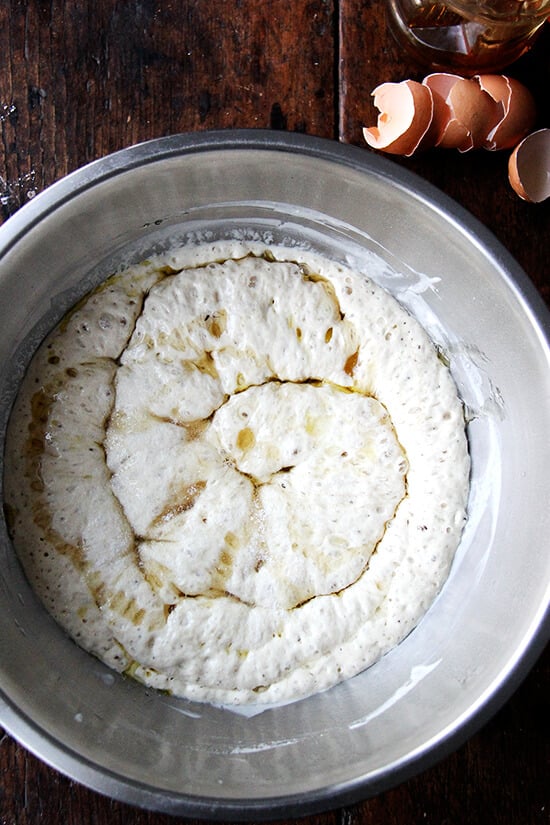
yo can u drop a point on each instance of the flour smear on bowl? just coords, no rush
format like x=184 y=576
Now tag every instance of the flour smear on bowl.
x=237 y=474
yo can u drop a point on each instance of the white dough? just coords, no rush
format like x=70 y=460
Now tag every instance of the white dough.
x=240 y=481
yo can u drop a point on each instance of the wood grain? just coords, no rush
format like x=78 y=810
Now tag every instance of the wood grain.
x=79 y=80
x=82 y=78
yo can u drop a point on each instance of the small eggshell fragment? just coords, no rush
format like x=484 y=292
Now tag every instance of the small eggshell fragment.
x=518 y=110
x=529 y=167
x=406 y=110
x=471 y=111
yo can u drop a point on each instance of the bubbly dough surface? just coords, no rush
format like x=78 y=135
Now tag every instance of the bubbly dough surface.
x=236 y=474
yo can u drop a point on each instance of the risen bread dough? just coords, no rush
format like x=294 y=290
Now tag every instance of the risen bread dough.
x=240 y=481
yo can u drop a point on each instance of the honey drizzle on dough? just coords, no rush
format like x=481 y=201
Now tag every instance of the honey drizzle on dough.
x=182 y=500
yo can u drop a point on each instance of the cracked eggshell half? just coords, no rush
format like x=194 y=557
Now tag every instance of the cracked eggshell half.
x=529 y=167
x=406 y=113
x=517 y=110
x=467 y=115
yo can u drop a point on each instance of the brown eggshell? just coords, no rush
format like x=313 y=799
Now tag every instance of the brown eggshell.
x=406 y=110
x=517 y=110
x=471 y=111
x=475 y=108
x=439 y=123
x=529 y=167
x=449 y=132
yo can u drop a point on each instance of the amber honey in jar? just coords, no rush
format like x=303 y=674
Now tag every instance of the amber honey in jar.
x=467 y=36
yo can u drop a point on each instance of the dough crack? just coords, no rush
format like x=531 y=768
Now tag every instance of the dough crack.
x=238 y=474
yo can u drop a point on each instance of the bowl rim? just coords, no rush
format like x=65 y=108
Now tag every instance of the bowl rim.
x=254 y=139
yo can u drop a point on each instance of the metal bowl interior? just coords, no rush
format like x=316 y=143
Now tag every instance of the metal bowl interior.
x=490 y=621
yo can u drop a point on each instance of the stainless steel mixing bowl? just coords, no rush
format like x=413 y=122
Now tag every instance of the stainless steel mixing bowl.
x=491 y=619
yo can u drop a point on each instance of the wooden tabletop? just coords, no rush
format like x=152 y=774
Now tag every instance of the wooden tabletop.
x=82 y=78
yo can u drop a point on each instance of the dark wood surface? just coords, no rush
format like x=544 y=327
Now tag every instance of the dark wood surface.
x=82 y=78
